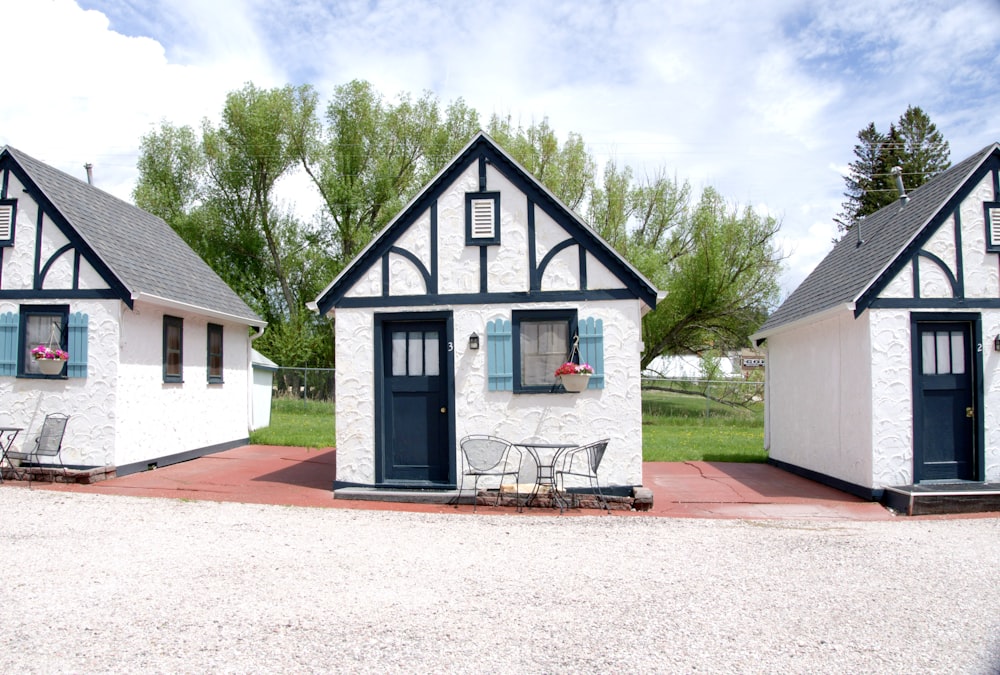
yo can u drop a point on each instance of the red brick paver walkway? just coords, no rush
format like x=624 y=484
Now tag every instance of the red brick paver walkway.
x=304 y=477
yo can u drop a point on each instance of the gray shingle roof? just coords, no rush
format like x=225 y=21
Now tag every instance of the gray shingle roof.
x=849 y=270
x=140 y=249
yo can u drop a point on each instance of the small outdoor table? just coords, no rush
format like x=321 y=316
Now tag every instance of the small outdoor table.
x=545 y=471
x=7 y=436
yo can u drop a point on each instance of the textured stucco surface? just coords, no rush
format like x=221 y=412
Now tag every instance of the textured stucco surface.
x=891 y=398
x=156 y=419
x=613 y=412
x=818 y=413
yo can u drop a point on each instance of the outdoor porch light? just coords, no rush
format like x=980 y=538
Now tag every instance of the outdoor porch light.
x=474 y=341
x=996 y=343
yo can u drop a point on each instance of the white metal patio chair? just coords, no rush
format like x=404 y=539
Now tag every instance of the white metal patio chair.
x=583 y=462
x=486 y=456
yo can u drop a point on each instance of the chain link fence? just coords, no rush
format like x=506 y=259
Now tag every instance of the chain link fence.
x=308 y=384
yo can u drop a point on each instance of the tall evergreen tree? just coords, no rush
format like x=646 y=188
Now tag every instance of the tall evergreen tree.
x=913 y=143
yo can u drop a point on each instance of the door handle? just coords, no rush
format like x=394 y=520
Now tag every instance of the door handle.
x=968 y=412
x=444 y=410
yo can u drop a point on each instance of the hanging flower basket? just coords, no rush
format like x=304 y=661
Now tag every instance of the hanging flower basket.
x=50 y=361
x=575 y=382
x=51 y=366
x=574 y=376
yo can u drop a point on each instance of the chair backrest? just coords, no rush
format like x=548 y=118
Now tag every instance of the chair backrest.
x=50 y=438
x=483 y=452
x=595 y=453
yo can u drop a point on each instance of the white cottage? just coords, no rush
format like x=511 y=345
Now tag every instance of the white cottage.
x=883 y=367
x=159 y=345
x=455 y=317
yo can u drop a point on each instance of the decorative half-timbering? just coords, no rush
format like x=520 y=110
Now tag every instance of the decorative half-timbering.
x=85 y=274
x=883 y=367
x=455 y=318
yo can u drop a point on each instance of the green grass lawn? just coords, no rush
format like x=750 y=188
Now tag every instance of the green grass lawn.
x=296 y=422
x=675 y=428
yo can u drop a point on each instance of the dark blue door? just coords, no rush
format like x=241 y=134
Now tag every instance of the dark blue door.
x=414 y=444
x=944 y=409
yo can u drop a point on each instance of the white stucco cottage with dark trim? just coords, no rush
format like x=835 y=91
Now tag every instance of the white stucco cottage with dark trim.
x=883 y=367
x=454 y=318
x=159 y=345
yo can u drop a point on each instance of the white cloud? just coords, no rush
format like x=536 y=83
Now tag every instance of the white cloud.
x=761 y=100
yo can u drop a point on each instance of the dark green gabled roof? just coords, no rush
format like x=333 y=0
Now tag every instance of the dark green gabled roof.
x=853 y=274
x=140 y=251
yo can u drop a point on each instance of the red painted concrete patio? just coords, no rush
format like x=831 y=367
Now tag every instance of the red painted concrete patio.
x=304 y=477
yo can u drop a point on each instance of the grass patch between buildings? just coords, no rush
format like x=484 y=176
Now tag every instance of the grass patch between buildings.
x=298 y=422
x=679 y=428
x=675 y=428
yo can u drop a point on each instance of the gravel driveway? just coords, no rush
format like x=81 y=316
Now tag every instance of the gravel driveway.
x=123 y=584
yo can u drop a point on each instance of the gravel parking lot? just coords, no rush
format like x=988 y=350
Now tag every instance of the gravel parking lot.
x=96 y=583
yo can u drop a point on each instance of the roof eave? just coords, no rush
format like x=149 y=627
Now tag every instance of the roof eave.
x=167 y=303
x=828 y=313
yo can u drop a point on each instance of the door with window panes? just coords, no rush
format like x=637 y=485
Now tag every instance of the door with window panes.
x=944 y=406
x=414 y=440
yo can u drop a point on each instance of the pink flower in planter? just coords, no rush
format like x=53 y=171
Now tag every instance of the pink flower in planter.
x=43 y=352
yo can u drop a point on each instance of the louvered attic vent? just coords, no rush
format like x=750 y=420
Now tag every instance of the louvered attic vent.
x=482 y=218
x=992 y=212
x=8 y=207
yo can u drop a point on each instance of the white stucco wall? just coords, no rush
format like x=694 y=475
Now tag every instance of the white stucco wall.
x=873 y=396
x=91 y=402
x=614 y=412
x=122 y=412
x=158 y=419
x=891 y=397
x=991 y=393
x=818 y=408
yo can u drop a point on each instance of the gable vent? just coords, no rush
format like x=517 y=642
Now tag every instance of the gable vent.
x=483 y=219
x=6 y=223
x=994 y=219
x=991 y=212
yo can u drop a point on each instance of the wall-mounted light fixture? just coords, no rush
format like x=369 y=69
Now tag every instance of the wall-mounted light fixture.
x=474 y=341
x=996 y=343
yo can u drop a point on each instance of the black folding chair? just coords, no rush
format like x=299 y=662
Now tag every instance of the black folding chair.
x=583 y=462
x=48 y=443
x=488 y=456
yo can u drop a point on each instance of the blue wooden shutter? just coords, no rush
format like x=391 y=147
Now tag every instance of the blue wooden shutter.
x=499 y=355
x=591 y=333
x=8 y=343
x=77 y=366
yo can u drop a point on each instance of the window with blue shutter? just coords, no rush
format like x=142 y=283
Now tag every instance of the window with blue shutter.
x=591 y=333
x=9 y=323
x=499 y=355
x=77 y=366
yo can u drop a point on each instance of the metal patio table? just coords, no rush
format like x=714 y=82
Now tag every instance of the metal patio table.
x=7 y=436
x=545 y=470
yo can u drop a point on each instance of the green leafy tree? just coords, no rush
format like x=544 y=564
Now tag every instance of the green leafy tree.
x=375 y=157
x=913 y=143
x=721 y=284
x=369 y=156
x=567 y=170
x=256 y=144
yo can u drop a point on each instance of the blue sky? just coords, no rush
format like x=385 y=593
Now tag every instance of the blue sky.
x=761 y=100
